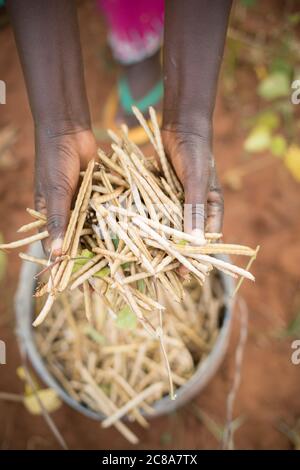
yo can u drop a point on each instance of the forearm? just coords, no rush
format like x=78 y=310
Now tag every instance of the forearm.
x=195 y=33
x=48 y=41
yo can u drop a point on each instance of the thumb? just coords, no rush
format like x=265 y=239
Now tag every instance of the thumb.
x=58 y=203
x=196 y=189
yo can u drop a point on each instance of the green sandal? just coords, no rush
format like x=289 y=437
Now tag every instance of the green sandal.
x=127 y=101
x=122 y=95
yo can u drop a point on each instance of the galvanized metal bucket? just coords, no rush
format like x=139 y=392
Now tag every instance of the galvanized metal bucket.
x=24 y=307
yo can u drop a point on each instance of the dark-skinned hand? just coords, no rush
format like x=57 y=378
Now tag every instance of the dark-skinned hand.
x=59 y=160
x=193 y=162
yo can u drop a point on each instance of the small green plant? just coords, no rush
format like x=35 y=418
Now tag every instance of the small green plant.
x=292 y=330
x=274 y=59
x=216 y=429
x=293 y=434
x=166 y=438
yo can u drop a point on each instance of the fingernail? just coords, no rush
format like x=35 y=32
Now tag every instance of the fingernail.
x=56 y=247
x=199 y=236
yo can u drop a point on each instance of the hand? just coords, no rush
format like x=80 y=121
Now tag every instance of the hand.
x=193 y=162
x=59 y=160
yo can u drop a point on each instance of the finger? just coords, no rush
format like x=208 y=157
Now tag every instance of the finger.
x=40 y=206
x=59 y=196
x=196 y=188
x=215 y=205
x=215 y=211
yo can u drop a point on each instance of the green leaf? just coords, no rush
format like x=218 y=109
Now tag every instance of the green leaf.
x=76 y=267
x=94 y=335
x=141 y=285
x=215 y=428
x=103 y=272
x=182 y=242
x=248 y=3
x=280 y=64
x=126 y=319
x=85 y=256
x=278 y=145
x=258 y=140
x=292 y=161
x=276 y=85
x=268 y=119
x=294 y=18
x=3 y=261
x=293 y=434
x=166 y=438
x=126 y=265
x=82 y=259
x=293 y=328
x=106 y=388
x=115 y=241
x=286 y=108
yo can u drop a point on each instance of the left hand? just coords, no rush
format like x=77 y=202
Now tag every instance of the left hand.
x=59 y=160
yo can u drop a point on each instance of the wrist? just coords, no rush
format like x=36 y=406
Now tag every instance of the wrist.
x=185 y=122
x=59 y=126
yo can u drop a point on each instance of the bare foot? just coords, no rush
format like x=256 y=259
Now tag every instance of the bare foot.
x=141 y=78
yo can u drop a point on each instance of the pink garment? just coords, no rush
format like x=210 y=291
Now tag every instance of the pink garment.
x=135 y=27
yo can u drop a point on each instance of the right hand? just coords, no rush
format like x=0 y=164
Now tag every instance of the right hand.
x=192 y=159
x=59 y=160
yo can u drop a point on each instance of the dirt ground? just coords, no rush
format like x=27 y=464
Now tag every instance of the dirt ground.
x=265 y=211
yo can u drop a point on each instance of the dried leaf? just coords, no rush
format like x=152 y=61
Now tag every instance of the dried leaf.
x=47 y=396
x=22 y=375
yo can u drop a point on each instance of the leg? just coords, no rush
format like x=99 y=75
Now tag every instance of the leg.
x=135 y=35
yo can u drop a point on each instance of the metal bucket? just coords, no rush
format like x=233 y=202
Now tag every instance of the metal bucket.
x=24 y=307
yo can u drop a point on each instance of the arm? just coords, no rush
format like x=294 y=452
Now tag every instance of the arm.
x=195 y=33
x=48 y=42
